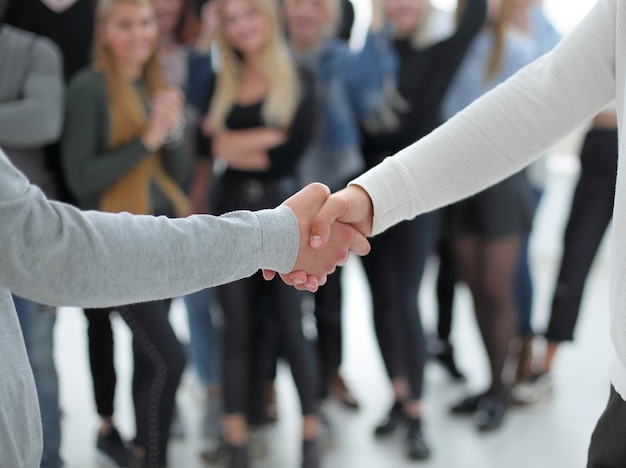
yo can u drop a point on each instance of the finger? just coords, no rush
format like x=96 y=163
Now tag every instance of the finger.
x=268 y=275
x=332 y=209
x=360 y=245
x=312 y=283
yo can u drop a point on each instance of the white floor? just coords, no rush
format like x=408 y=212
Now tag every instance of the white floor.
x=554 y=435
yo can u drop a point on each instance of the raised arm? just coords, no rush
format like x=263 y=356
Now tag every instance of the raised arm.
x=504 y=130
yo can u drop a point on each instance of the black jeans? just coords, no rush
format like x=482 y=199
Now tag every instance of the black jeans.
x=329 y=330
x=394 y=270
x=248 y=302
x=590 y=214
x=608 y=441
x=159 y=361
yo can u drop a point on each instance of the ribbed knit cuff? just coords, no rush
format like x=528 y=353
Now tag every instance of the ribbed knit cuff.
x=280 y=239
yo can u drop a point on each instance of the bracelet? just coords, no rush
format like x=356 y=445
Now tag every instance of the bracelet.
x=176 y=134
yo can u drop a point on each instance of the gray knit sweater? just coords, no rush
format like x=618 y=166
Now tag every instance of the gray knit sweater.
x=55 y=254
x=510 y=127
x=31 y=101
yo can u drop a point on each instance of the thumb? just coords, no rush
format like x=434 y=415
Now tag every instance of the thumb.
x=334 y=207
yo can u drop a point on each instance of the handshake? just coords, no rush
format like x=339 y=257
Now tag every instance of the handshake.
x=330 y=226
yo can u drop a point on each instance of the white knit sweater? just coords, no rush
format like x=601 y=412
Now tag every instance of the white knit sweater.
x=511 y=126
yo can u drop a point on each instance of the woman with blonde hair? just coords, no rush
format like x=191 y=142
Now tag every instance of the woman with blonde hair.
x=258 y=125
x=122 y=151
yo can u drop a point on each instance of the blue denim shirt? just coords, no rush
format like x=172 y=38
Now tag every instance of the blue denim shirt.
x=469 y=83
x=349 y=87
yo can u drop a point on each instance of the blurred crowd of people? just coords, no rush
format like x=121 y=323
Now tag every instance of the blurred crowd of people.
x=175 y=107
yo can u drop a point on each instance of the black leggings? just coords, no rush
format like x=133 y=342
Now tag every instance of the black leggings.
x=242 y=302
x=394 y=270
x=159 y=362
x=329 y=330
x=590 y=214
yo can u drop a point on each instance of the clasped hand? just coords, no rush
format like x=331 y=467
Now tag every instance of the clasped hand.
x=331 y=226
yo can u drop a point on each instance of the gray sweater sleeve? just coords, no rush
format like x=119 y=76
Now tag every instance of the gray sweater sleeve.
x=58 y=255
x=36 y=119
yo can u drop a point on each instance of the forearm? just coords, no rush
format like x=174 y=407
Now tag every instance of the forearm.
x=57 y=255
x=505 y=130
x=29 y=123
x=237 y=143
x=90 y=172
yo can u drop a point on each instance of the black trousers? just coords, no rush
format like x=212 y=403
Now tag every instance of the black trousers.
x=242 y=305
x=159 y=361
x=256 y=310
x=608 y=441
x=394 y=270
x=329 y=330
x=590 y=214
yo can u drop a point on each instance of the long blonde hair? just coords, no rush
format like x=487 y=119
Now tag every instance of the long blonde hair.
x=498 y=29
x=127 y=117
x=282 y=98
x=126 y=111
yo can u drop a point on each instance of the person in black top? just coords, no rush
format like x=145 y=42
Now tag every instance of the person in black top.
x=395 y=265
x=259 y=122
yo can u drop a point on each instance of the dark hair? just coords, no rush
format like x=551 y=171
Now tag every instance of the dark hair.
x=188 y=26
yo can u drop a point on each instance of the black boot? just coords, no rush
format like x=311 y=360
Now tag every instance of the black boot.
x=310 y=453
x=391 y=421
x=236 y=456
x=416 y=447
x=490 y=413
x=445 y=356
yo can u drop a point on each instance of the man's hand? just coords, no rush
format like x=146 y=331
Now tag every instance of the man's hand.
x=314 y=264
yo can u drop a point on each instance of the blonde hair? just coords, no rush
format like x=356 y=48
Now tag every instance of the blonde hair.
x=127 y=113
x=282 y=98
x=498 y=29
x=421 y=35
x=127 y=117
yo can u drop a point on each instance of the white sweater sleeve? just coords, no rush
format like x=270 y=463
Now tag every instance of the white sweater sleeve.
x=503 y=131
x=55 y=254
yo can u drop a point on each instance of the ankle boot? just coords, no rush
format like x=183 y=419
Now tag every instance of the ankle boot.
x=236 y=456
x=416 y=447
x=391 y=421
x=310 y=453
x=446 y=359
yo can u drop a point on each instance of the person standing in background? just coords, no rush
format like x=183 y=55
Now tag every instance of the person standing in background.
x=123 y=151
x=31 y=117
x=258 y=125
x=487 y=229
x=395 y=266
x=348 y=88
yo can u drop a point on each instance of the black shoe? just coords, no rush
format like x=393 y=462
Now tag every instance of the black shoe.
x=468 y=405
x=416 y=447
x=490 y=413
x=112 y=447
x=445 y=357
x=237 y=456
x=391 y=421
x=310 y=453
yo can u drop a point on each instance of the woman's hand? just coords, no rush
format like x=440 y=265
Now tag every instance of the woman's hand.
x=166 y=112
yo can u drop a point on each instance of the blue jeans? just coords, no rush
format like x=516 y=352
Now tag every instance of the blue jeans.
x=203 y=318
x=37 y=322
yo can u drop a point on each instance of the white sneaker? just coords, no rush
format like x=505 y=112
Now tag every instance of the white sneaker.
x=536 y=389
